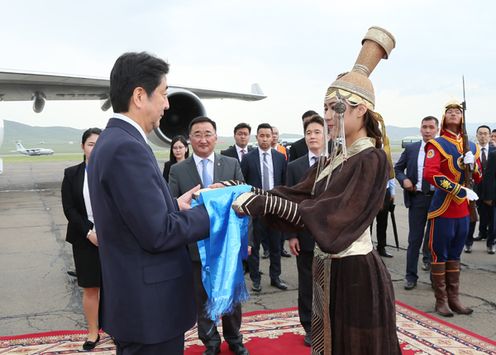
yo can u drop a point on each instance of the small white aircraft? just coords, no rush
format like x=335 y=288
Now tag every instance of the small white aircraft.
x=32 y=151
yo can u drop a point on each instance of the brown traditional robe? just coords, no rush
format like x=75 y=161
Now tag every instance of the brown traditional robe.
x=362 y=308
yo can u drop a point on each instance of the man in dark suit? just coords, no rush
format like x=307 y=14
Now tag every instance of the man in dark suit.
x=417 y=194
x=242 y=133
x=265 y=168
x=146 y=299
x=205 y=167
x=302 y=244
x=299 y=148
x=483 y=135
x=489 y=198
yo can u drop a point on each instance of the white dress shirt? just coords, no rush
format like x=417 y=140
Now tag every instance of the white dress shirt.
x=86 y=198
x=133 y=123
x=420 y=166
x=311 y=161
x=210 y=165
x=238 y=150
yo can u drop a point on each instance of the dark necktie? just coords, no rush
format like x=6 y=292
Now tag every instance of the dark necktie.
x=426 y=187
x=314 y=160
x=265 y=173
x=484 y=159
x=241 y=154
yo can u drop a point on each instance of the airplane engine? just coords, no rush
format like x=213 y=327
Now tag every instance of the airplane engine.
x=38 y=102
x=184 y=106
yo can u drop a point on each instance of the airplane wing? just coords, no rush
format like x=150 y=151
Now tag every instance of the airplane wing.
x=25 y=86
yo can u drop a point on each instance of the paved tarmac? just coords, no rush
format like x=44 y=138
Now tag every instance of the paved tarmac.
x=37 y=295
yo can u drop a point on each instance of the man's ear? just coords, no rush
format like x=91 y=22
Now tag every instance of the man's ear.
x=139 y=94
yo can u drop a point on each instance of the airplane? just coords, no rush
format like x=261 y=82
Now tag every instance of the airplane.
x=185 y=102
x=32 y=151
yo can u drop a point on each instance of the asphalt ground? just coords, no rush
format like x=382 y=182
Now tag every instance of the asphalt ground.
x=37 y=295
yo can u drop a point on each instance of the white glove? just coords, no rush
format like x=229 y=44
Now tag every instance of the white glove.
x=471 y=195
x=469 y=159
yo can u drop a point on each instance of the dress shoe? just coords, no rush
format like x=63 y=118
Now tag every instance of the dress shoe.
x=279 y=284
x=265 y=254
x=212 y=350
x=426 y=266
x=255 y=286
x=90 y=345
x=410 y=285
x=479 y=238
x=239 y=349
x=491 y=249
x=72 y=273
x=285 y=253
x=308 y=339
x=468 y=249
x=382 y=252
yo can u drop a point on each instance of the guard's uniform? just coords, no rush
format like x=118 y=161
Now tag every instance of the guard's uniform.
x=448 y=217
x=449 y=211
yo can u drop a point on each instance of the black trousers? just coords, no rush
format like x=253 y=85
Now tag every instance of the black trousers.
x=486 y=223
x=304 y=264
x=417 y=234
x=261 y=230
x=174 y=346
x=207 y=330
x=382 y=221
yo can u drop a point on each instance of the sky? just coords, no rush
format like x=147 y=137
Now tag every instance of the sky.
x=292 y=49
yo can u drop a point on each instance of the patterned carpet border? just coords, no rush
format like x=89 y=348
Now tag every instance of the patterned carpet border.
x=419 y=333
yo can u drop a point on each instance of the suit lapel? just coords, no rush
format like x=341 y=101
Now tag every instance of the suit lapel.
x=218 y=168
x=79 y=182
x=193 y=172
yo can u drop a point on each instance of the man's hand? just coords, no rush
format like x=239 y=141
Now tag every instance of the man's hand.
x=249 y=250
x=294 y=246
x=408 y=185
x=184 y=201
x=92 y=237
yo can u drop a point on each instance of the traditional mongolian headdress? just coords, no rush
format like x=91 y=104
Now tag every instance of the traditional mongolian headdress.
x=355 y=86
x=451 y=104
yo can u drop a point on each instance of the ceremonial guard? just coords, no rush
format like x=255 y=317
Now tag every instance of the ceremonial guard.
x=446 y=166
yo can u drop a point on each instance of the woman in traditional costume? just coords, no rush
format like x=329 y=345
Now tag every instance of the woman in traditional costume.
x=353 y=301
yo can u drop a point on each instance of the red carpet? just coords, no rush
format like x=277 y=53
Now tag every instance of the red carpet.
x=278 y=332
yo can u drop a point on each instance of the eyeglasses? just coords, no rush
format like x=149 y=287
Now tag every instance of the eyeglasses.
x=206 y=135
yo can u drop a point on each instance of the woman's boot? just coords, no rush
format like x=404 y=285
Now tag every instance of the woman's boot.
x=452 y=287
x=439 y=284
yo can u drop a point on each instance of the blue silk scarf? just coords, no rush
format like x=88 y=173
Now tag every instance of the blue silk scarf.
x=222 y=253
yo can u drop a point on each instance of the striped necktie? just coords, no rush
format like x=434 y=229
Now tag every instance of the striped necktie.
x=265 y=173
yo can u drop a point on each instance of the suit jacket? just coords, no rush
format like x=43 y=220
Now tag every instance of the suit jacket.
x=297 y=169
x=184 y=176
x=166 y=171
x=73 y=204
x=489 y=179
x=232 y=152
x=409 y=161
x=250 y=167
x=298 y=149
x=480 y=188
x=146 y=270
